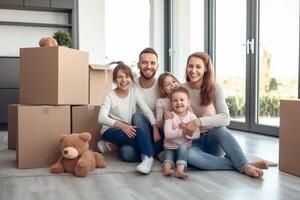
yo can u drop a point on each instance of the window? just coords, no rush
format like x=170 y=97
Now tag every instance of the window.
x=278 y=57
x=127 y=29
x=257 y=60
x=231 y=54
x=187 y=33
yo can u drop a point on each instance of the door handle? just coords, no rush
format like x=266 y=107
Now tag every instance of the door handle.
x=251 y=43
x=249 y=46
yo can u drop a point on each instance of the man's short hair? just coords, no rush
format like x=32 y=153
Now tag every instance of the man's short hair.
x=148 y=50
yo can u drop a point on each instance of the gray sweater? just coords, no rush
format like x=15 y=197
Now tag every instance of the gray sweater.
x=221 y=118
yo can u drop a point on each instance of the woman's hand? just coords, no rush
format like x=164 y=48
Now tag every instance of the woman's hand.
x=127 y=129
x=182 y=125
x=168 y=115
x=185 y=131
x=156 y=135
x=193 y=125
x=189 y=128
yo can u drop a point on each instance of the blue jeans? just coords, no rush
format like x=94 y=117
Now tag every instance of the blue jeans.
x=140 y=142
x=178 y=156
x=130 y=154
x=206 y=151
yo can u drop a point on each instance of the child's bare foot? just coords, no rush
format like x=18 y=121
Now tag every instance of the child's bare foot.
x=261 y=164
x=253 y=171
x=181 y=174
x=168 y=169
x=180 y=171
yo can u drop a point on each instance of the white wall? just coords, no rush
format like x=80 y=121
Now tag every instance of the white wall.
x=91 y=19
x=12 y=38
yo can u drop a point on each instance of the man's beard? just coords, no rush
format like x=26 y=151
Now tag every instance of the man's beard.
x=146 y=77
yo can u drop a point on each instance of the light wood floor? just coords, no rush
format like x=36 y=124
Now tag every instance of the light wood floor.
x=206 y=185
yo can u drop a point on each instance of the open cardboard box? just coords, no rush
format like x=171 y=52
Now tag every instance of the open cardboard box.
x=100 y=82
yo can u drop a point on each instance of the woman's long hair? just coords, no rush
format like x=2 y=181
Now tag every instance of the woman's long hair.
x=207 y=88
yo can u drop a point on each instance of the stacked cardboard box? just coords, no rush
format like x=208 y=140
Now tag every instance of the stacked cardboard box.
x=36 y=131
x=55 y=91
x=289 y=137
x=85 y=117
x=54 y=76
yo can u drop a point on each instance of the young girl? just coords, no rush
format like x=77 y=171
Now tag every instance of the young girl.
x=116 y=112
x=176 y=142
x=166 y=84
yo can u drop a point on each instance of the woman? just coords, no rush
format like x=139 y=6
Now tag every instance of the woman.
x=207 y=96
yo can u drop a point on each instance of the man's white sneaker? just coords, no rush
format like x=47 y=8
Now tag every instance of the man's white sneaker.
x=146 y=165
x=103 y=147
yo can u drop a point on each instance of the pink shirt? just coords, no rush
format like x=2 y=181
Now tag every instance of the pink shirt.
x=162 y=105
x=173 y=134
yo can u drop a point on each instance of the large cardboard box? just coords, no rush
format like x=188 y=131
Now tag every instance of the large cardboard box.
x=38 y=130
x=12 y=126
x=100 y=83
x=289 y=137
x=85 y=119
x=53 y=75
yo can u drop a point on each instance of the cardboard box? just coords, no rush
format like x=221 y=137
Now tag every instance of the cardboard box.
x=85 y=119
x=289 y=137
x=12 y=126
x=53 y=75
x=100 y=83
x=38 y=131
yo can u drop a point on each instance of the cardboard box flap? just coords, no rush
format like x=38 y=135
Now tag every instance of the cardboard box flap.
x=99 y=67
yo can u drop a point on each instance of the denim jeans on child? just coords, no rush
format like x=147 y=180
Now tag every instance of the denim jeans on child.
x=176 y=156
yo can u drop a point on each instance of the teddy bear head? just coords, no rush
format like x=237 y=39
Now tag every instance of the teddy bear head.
x=48 y=42
x=74 y=145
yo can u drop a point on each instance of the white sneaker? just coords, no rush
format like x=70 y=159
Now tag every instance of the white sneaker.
x=103 y=147
x=146 y=165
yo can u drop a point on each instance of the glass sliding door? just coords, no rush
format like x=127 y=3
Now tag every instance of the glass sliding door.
x=255 y=48
x=278 y=57
x=186 y=33
x=231 y=51
x=257 y=59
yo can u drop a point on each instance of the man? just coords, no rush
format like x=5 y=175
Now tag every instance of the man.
x=147 y=84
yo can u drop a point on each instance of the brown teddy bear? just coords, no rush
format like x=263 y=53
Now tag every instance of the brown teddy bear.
x=76 y=157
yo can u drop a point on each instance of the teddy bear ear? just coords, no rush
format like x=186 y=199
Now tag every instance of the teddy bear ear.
x=85 y=136
x=62 y=137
